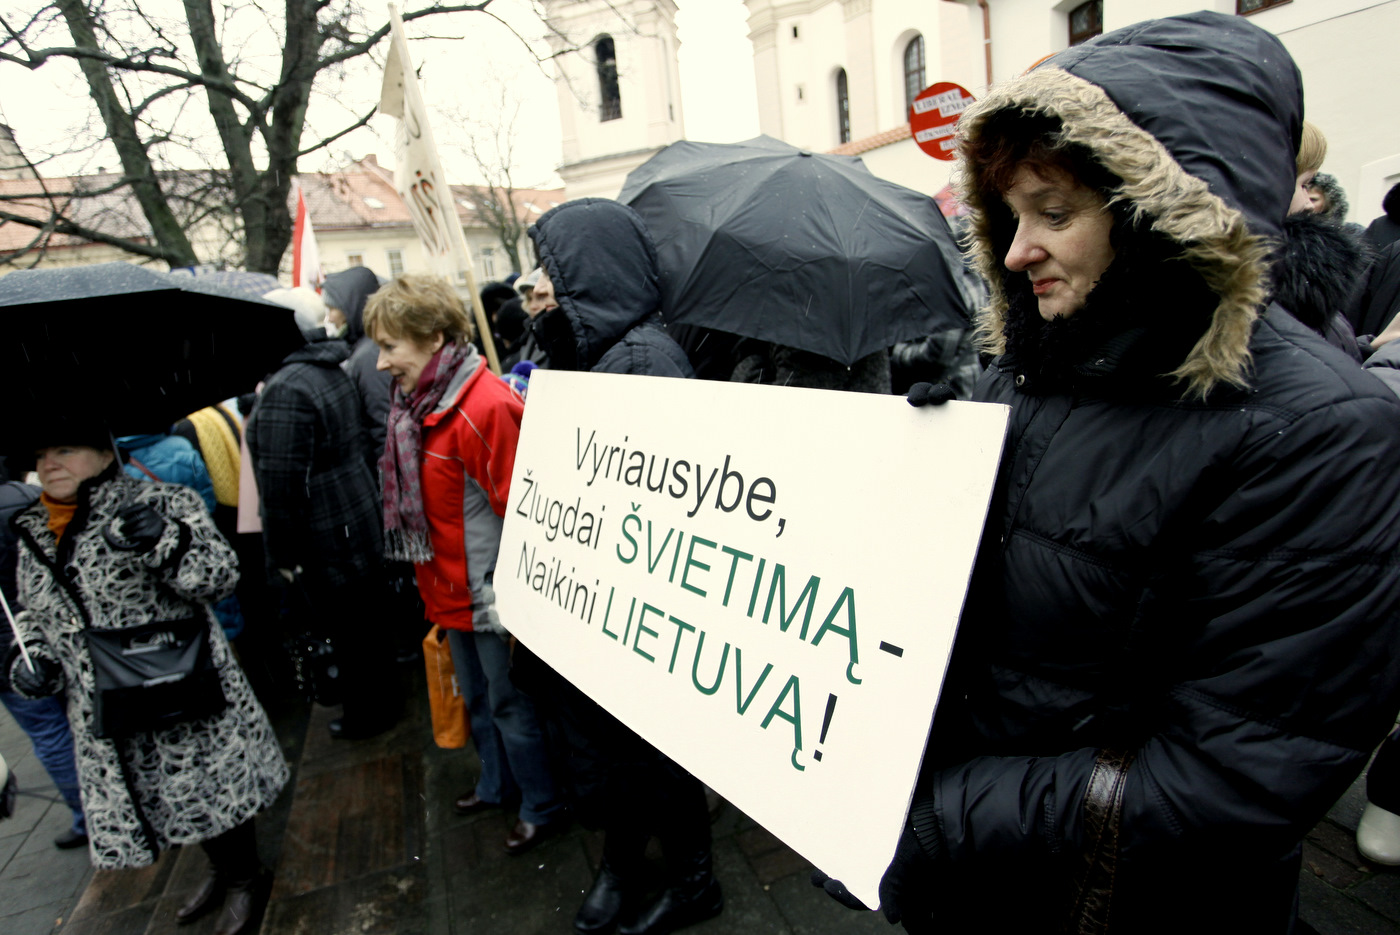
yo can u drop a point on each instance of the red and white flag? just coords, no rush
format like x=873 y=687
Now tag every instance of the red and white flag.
x=306 y=259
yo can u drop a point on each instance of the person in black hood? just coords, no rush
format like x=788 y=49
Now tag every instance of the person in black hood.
x=1385 y=229
x=322 y=530
x=598 y=270
x=1176 y=651
x=346 y=293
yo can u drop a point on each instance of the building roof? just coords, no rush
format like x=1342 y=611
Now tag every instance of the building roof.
x=362 y=195
x=866 y=144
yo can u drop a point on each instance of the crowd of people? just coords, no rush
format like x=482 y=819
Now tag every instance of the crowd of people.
x=1178 y=646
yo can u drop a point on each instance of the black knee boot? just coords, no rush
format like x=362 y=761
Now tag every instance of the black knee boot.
x=692 y=897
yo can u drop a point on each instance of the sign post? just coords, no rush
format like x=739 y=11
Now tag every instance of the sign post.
x=933 y=118
x=770 y=601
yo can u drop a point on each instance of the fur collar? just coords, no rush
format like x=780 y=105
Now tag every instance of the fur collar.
x=1320 y=268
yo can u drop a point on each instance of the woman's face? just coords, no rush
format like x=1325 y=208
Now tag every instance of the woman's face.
x=62 y=468
x=404 y=357
x=1062 y=239
x=1317 y=199
x=1302 y=194
x=542 y=299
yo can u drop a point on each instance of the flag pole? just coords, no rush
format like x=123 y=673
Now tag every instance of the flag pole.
x=421 y=182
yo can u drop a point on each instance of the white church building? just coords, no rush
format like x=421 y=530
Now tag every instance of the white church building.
x=838 y=75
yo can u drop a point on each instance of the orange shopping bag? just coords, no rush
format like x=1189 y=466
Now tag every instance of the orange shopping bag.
x=450 y=726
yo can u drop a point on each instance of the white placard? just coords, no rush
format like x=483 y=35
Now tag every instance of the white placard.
x=763 y=582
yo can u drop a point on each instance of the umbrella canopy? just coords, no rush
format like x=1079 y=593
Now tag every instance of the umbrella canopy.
x=127 y=346
x=812 y=251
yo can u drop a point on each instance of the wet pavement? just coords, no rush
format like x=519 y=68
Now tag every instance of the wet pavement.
x=364 y=840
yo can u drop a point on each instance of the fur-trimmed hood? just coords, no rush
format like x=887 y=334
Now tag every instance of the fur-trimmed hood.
x=1200 y=117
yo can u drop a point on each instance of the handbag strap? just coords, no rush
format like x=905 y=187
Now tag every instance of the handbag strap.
x=143 y=469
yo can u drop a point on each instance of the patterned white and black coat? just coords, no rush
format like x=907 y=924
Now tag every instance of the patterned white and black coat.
x=193 y=781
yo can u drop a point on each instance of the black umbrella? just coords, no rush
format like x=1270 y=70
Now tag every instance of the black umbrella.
x=812 y=251
x=130 y=347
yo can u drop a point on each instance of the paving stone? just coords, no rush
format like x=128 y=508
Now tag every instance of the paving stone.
x=40 y=920
x=40 y=873
x=132 y=921
x=756 y=841
x=534 y=894
x=1336 y=871
x=1332 y=912
x=112 y=891
x=389 y=902
x=1380 y=892
x=1338 y=840
x=776 y=864
x=748 y=907
x=346 y=823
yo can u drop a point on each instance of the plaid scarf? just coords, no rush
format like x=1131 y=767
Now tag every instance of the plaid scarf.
x=401 y=465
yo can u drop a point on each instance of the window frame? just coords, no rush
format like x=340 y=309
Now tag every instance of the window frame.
x=911 y=92
x=1263 y=5
x=609 y=92
x=843 y=107
x=1082 y=37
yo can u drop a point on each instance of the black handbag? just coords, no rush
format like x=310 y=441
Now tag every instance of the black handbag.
x=151 y=677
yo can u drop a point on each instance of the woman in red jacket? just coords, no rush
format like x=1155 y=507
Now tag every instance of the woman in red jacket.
x=446 y=472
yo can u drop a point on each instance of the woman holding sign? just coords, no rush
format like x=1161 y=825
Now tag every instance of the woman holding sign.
x=1178 y=648
x=446 y=471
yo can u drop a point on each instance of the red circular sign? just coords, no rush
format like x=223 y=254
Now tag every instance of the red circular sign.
x=933 y=118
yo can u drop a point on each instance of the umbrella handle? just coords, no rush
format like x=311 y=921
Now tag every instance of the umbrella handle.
x=19 y=640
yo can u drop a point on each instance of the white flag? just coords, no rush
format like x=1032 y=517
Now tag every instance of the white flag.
x=418 y=174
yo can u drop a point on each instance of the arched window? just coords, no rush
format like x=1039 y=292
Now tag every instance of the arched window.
x=913 y=70
x=843 y=108
x=609 y=97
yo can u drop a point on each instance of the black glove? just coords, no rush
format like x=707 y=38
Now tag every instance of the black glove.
x=44 y=680
x=906 y=889
x=136 y=527
x=837 y=891
x=930 y=394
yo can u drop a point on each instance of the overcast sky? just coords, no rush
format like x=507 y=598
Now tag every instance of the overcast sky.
x=42 y=107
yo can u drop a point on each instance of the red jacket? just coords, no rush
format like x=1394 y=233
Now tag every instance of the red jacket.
x=468 y=456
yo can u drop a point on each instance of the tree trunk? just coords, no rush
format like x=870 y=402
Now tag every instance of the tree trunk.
x=268 y=221
x=121 y=128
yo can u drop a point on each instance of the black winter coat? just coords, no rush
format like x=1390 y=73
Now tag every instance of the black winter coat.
x=319 y=502
x=1177 y=651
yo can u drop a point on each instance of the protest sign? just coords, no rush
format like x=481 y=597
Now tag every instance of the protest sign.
x=763 y=582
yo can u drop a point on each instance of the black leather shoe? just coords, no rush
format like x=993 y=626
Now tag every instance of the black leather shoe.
x=526 y=835
x=603 y=906
x=70 y=839
x=343 y=729
x=678 y=907
x=209 y=895
x=244 y=906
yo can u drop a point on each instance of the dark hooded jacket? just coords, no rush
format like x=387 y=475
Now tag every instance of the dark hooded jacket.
x=348 y=291
x=1177 y=650
x=602 y=263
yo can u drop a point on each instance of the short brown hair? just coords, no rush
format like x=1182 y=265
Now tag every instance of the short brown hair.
x=1312 y=149
x=1011 y=140
x=418 y=306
